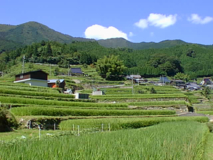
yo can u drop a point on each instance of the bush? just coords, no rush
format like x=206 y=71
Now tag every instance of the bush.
x=210 y=126
x=7 y=120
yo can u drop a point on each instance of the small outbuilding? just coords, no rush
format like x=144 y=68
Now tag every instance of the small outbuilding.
x=130 y=77
x=53 y=83
x=97 y=93
x=164 y=79
x=33 y=78
x=81 y=96
x=76 y=72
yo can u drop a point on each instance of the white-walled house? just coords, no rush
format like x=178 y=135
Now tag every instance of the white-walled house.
x=33 y=78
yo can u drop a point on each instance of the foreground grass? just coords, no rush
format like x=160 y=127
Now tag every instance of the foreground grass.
x=174 y=140
x=208 y=154
x=28 y=133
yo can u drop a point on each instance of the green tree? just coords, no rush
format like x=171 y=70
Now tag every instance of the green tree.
x=56 y=71
x=182 y=76
x=206 y=92
x=49 y=50
x=110 y=67
x=153 y=91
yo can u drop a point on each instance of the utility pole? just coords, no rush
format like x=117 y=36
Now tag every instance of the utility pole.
x=68 y=70
x=23 y=64
x=50 y=70
x=132 y=84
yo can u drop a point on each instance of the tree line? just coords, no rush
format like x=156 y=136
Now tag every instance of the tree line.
x=191 y=59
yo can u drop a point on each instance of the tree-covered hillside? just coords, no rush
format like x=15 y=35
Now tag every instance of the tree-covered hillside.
x=192 y=59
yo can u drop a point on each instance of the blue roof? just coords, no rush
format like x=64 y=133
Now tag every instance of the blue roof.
x=76 y=70
x=54 y=80
x=164 y=79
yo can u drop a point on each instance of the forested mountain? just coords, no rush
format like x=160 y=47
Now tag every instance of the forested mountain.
x=192 y=59
x=32 y=32
x=122 y=43
x=15 y=36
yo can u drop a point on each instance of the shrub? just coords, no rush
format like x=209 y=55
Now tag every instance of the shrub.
x=7 y=120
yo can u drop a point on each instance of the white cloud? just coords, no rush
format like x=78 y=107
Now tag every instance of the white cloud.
x=196 y=19
x=142 y=23
x=162 y=21
x=100 y=32
x=157 y=20
x=131 y=34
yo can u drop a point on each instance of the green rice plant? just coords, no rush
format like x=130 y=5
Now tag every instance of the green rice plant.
x=203 y=107
x=14 y=100
x=158 y=103
x=205 y=112
x=30 y=93
x=193 y=99
x=24 y=111
x=29 y=88
x=143 y=96
x=172 y=140
x=158 y=88
x=124 y=123
x=48 y=98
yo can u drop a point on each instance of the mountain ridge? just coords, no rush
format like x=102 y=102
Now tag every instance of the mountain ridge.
x=15 y=36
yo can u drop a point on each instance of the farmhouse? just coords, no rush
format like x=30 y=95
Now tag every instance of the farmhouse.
x=206 y=81
x=76 y=72
x=33 y=78
x=53 y=83
x=178 y=83
x=192 y=86
x=140 y=81
x=130 y=77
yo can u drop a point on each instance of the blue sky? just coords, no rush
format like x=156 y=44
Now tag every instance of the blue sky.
x=135 y=20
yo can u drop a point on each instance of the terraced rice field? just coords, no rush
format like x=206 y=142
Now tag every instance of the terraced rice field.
x=119 y=111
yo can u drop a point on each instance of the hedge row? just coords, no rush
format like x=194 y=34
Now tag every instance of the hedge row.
x=124 y=123
x=25 y=111
x=15 y=100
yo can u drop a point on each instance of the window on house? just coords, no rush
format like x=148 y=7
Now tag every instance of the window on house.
x=21 y=76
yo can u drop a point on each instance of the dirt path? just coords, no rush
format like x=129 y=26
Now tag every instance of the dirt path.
x=187 y=114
